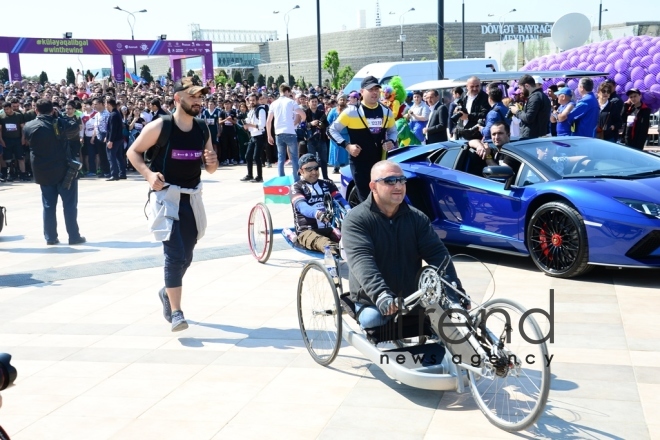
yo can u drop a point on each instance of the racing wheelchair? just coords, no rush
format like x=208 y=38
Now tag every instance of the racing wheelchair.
x=260 y=229
x=495 y=348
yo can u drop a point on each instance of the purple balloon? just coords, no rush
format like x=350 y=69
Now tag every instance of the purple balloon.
x=637 y=73
x=635 y=44
x=600 y=58
x=610 y=69
x=601 y=49
x=655 y=88
x=649 y=80
x=572 y=84
x=636 y=62
x=600 y=67
x=590 y=57
x=612 y=57
x=628 y=55
x=583 y=65
x=654 y=49
x=620 y=78
x=554 y=66
x=656 y=58
x=638 y=84
x=629 y=85
x=620 y=88
x=647 y=61
x=621 y=66
x=641 y=51
x=657 y=78
x=565 y=65
x=583 y=56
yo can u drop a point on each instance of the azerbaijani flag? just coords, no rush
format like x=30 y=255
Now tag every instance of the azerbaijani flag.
x=278 y=189
x=127 y=78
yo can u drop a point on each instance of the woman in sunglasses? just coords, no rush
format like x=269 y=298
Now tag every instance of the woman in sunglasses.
x=314 y=230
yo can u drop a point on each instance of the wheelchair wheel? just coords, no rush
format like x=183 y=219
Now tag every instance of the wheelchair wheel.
x=319 y=313
x=260 y=232
x=513 y=392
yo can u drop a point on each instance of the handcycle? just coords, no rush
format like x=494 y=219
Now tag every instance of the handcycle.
x=440 y=344
x=260 y=229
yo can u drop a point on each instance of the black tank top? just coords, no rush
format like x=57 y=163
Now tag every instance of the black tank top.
x=180 y=161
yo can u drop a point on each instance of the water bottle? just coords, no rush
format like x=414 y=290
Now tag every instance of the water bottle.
x=289 y=234
x=329 y=263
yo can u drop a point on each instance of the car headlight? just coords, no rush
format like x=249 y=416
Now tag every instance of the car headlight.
x=650 y=209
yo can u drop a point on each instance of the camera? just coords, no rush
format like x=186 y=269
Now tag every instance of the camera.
x=73 y=166
x=7 y=372
x=458 y=114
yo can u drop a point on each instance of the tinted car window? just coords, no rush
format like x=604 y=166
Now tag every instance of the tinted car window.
x=448 y=158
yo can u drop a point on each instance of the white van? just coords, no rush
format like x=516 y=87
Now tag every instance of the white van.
x=412 y=72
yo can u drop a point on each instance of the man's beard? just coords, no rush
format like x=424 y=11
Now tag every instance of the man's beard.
x=525 y=93
x=189 y=110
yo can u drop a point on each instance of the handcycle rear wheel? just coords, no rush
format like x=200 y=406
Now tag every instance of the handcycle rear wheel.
x=514 y=397
x=319 y=313
x=260 y=232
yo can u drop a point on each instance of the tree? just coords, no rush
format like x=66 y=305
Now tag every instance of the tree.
x=4 y=75
x=261 y=80
x=145 y=72
x=250 y=79
x=169 y=74
x=223 y=72
x=292 y=80
x=301 y=82
x=279 y=80
x=190 y=72
x=331 y=65
x=43 y=78
x=237 y=77
x=509 y=60
x=345 y=75
x=70 y=76
x=270 y=81
x=221 y=79
x=449 y=47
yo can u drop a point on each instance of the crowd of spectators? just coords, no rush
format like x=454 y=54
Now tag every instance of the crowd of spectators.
x=531 y=112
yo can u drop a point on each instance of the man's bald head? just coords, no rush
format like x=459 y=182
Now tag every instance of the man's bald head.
x=380 y=169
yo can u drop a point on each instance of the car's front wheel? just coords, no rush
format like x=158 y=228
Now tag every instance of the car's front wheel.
x=557 y=240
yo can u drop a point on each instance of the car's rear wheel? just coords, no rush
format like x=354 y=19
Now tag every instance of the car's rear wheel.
x=557 y=240
x=353 y=198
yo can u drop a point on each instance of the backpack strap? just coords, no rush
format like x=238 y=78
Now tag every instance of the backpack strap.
x=202 y=125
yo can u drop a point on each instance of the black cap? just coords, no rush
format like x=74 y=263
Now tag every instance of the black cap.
x=306 y=158
x=633 y=90
x=369 y=83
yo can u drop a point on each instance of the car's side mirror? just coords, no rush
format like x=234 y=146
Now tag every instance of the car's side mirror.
x=500 y=172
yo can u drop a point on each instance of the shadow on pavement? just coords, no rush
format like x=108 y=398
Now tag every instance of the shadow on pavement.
x=126 y=244
x=57 y=249
x=8 y=238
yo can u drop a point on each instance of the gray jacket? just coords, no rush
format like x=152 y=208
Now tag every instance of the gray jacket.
x=384 y=255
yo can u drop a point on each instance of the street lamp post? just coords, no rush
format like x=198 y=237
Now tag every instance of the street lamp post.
x=288 y=56
x=402 y=37
x=132 y=26
x=501 y=20
x=600 y=14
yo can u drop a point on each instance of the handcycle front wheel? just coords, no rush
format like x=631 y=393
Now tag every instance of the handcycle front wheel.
x=319 y=313
x=260 y=232
x=513 y=397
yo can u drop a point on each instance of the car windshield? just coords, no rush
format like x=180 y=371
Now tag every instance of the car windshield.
x=571 y=158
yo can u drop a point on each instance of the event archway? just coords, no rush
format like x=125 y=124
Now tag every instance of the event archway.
x=175 y=50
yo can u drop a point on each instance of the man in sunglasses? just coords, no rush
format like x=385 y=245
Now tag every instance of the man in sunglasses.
x=313 y=228
x=385 y=241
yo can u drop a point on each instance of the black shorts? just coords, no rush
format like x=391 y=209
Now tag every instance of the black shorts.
x=13 y=150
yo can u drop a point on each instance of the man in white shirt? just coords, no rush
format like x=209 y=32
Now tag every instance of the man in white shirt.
x=285 y=114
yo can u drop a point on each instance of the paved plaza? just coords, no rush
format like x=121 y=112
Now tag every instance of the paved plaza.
x=96 y=359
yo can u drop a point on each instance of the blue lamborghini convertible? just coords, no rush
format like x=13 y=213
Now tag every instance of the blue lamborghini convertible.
x=568 y=202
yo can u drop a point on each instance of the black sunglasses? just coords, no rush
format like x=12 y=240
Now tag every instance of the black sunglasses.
x=310 y=169
x=392 y=180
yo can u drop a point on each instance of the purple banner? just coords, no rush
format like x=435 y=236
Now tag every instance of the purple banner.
x=14 y=45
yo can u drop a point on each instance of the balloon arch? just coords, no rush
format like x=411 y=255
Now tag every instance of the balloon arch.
x=632 y=62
